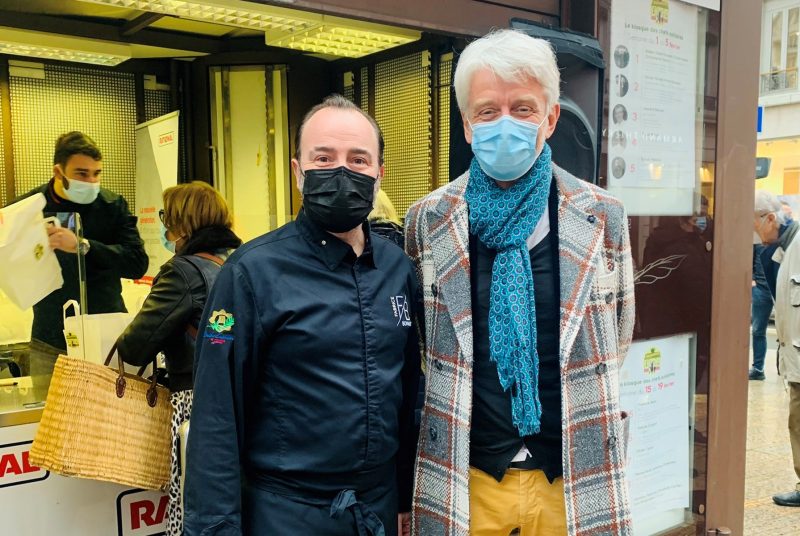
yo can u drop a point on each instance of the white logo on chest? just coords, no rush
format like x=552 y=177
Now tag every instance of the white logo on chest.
x=400 y=310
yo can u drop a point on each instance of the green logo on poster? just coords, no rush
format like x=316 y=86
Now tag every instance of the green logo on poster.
x=659 y=11
x=652 y=361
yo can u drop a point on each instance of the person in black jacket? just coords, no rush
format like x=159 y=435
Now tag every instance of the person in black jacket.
x=196 y=226
x=306 y=375
x=111 y=244
x=383 y=220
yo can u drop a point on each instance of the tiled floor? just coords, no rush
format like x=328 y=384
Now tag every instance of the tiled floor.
x=769 y=458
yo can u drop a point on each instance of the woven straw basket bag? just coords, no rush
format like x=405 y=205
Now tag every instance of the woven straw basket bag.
x=103 y=424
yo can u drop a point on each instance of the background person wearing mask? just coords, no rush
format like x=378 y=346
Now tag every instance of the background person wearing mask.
x=196 y=226
x=528 y=283
x=307 y=372
x=111 y=243
x=769 y=223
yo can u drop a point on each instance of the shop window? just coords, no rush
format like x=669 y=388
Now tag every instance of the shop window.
x=62 y=98
x=783 y=33
x=791 y=181
x=4 y=196
x=403 y=111
x=443 y=109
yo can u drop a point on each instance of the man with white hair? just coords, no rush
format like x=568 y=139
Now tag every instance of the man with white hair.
x=528 y=287
x=769 y=221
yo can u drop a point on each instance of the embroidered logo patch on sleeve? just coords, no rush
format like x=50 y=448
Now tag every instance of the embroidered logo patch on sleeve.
x=219 y=324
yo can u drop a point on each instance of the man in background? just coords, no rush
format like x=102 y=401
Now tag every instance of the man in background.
x=761 y=309
x=111 y=243
x=769 y=222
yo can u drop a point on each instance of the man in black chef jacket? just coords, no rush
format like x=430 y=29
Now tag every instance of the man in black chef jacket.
x=306 y=376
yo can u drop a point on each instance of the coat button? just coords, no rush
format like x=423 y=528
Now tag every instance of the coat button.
x=591 y=218
x=433 y=433
x=437 y=364
x=601 y=368
x=434 y=290
x=612 y=442
x=609 y=297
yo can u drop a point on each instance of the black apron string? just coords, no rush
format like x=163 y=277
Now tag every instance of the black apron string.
x=367 y=522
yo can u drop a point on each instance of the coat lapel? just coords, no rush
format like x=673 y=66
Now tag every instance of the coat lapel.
x=580 y=235
x=448 y=225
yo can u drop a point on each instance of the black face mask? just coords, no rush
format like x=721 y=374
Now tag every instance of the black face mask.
x=339 y=199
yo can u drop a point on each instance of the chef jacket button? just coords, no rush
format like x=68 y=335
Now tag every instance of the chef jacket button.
x=612 y=442
x=433 y=433
x=591 y=218
x=601 y=368
x=609 y=297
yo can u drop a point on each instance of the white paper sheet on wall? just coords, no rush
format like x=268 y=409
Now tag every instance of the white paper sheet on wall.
x=654 y=390
x=652 y=106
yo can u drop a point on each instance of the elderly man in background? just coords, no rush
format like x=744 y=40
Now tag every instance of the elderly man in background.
x=528 y=284
x=769 y=221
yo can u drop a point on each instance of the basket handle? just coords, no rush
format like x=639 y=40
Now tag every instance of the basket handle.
x=152 y=392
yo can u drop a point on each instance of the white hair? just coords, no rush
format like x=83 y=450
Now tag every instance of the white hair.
x=768 y=203
x=513 y=56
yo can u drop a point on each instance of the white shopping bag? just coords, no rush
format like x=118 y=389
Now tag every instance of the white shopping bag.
x=91 y=337
x=29 y=269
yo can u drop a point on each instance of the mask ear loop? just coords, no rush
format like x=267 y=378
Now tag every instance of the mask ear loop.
x=64 y=179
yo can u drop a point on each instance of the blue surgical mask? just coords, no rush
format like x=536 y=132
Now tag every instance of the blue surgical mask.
x=701 y=223
x=83 y=193
x=505 y=148
x=166 y=242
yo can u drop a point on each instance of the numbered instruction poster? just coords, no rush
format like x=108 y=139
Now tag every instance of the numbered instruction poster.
x=652 y=102
x=654 y=390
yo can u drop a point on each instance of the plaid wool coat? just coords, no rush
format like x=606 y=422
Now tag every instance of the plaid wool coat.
x=597 y=315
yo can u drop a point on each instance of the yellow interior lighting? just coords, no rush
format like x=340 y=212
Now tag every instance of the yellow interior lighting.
x=282 y=27
x=56 y=47
x=342 y=40
x=227 y=12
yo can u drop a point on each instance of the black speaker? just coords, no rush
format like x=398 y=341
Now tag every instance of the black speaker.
x=576 y=140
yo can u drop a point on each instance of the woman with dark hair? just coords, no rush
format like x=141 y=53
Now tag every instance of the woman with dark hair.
x=196 y=226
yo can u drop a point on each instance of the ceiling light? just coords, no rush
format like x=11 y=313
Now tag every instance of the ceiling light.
x=56 y=47
x=288 y=28
x=229 y=13
x=342 y=40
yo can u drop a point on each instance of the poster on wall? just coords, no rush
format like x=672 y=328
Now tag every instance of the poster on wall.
x=654 y=390
x=156 y=170
x=652 y=102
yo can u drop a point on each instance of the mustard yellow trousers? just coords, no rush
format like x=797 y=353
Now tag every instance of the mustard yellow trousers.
x=524 y=500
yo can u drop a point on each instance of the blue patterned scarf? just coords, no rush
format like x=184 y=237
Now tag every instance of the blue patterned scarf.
x=503 y=220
